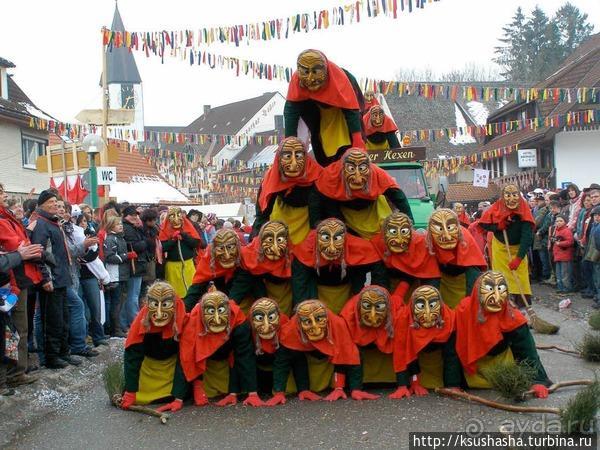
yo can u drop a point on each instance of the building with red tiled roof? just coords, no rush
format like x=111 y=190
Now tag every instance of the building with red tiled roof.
x=564 y=154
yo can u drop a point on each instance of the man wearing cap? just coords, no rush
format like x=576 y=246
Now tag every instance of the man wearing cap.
x=137 y=248
x=56 y=279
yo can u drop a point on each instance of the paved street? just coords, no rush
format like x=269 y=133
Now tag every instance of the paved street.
x=92 y=423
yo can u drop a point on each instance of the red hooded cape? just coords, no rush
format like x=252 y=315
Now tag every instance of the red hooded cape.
x=337 y=91
x=197 y=345
x=273 y=183
x=281 y=268
x=409 y=341
x=357 y=251
x=465 y=254
x=415 y=261
x=268 y=346
x=363 y=336
x=137 y=331
x=204 y=272
x=369 y=105
x=167 y=230
x=331 y=183
x=498 y=214
x=464 y=219
x=337 y=344
x=387 y=126
x=13 y=234
x=474 y=339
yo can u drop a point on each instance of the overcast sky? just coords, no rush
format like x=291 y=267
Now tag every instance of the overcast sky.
x=56 y=47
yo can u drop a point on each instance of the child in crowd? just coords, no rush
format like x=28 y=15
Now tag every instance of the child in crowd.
x=592 y=254
x=563 y=251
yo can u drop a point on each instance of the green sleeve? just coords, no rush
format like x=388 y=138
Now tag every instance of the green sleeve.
x=357 y=276
x=452 y=366
x=281 y=369
x=354 y=375
x=471 y=275
x=304 y=283
x=291 y=114
x=314 y=207
x=392 y=139
x=168 y=245
x=261 y=216
x=523 y=349
x=244 y=358
x=193 y=294
x=402 y=378
x=397 y=198
x=526 y=240
x=241 y=285
x=353 y=120
x=379 y=275
x=300 y=371
x=489 y=227
x=435 y=282
x=191 y=242
x=133 y=357
x=180 y=385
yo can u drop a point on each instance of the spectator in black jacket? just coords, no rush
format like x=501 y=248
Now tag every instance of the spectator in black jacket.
x=137 y=248
x=149 y=217
x=56 y=279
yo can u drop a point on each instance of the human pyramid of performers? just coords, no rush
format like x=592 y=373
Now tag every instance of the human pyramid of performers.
x=336 y=290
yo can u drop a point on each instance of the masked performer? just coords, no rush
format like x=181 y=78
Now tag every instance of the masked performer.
x=511 y=215
x=329 y=101
x=370 y=100
x=459 y=258
x=489 y=329
x=380 y=130
x=331 y=264
x=314 y=332
x=370 y=319
x=217 y=264
x=266 y=268
x=463 y=217
x=424 y=353
x=405 y=255
x=359 y=193
x=151 y=363
x=180 y=241
x=285 y=190
x=216 y=332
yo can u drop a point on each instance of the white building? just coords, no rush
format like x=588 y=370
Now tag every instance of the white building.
x=20 y=144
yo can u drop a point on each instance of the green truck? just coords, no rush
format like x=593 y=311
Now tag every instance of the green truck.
x=403 y=164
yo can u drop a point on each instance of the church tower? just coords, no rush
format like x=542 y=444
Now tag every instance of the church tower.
x=124 y=81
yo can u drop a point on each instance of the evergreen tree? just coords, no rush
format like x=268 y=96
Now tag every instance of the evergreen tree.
x=573 y=27
x=535 y=46
x=512 y=55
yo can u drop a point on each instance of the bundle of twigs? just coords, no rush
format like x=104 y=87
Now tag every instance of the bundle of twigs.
x=114 y=384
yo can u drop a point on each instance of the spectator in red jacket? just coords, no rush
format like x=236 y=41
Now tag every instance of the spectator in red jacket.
x=563 y=251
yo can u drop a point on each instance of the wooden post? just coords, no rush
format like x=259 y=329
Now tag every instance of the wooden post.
x=105 y=106
x=64 y=167
x=49 y=160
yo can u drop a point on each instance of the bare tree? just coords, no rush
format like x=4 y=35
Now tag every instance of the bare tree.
x=471 y=71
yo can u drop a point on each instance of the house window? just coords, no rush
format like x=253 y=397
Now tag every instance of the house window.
x=127 y=96
x=31 y=148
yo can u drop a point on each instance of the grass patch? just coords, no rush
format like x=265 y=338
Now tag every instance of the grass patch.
x=594 y=320
x=590 y=347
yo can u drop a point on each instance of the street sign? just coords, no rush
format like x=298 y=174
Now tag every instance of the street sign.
x=106 y=175
x=527 y=157
x=405 y=154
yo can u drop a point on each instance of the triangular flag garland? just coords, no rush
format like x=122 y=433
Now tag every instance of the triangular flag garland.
x=448 y=91
x=75 y=131
x=266 y=30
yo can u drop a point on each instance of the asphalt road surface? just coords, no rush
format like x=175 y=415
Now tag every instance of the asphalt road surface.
x=92 y=423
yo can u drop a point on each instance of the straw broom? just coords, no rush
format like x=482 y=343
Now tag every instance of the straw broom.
x=538 y=324
x=114 y=384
